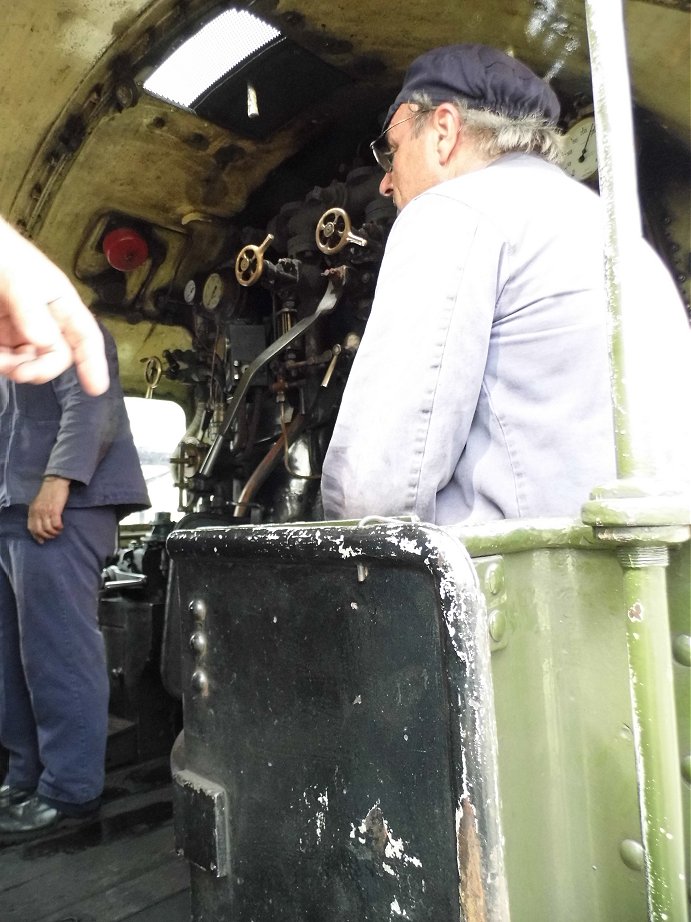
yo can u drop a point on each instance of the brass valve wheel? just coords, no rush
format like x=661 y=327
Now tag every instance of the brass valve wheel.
x=152 y=373
x=334 y=231
x=249 y=264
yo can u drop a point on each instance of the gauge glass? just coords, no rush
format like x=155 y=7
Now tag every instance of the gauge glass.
x=580 y=149
x=189 y=292
x=212 y=291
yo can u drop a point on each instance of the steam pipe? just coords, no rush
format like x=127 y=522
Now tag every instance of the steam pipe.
x=266 y=465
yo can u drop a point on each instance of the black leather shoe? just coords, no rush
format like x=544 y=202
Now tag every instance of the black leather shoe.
x=33 y=817
x=10 y=795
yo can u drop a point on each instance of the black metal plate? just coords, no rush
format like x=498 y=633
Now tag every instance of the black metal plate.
x=321 y=702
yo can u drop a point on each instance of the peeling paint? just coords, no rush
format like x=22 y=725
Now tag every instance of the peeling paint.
x=411 y=547
x=319 y=815
x=471 y=864
x=396 y=910
x=636 y=612
x=374 y=834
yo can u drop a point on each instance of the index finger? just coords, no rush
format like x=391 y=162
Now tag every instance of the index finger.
x=84 y=338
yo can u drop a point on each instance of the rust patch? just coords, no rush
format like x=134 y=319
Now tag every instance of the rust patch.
x=376 y=829
x=636 y=612
x=470 y=867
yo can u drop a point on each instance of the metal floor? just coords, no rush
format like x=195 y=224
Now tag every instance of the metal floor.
x=122 y=866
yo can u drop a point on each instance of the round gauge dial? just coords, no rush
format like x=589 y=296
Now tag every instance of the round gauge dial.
x=580 y=149
x=213 y=291
x=189 y=292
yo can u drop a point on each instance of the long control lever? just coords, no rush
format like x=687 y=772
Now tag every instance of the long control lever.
x=328 y=302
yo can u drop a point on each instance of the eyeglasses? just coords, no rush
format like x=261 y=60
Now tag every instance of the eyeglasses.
x=384 y=155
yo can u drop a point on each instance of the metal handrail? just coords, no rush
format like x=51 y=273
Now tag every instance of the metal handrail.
x=644 y=578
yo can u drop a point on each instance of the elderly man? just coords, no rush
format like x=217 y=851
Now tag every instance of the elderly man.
x=481 y=387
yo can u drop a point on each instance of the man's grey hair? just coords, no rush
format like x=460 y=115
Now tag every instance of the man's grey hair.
x=495 y=134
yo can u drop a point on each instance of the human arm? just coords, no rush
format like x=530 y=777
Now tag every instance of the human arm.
x=87 y=424
x=84 y=432
x=44 y=326
x=413 y=389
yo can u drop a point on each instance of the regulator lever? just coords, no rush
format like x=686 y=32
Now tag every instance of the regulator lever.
x=328 y=302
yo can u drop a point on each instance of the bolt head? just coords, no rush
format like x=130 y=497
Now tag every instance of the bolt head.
x=199 y=682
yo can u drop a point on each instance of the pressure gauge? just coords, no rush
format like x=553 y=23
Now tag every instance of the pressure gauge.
x=190 y=291
x=217 y=287
x=580 y=150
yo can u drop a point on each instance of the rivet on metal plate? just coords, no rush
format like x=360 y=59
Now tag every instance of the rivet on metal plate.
x=497 y=625
x=199 y=682
x=198 y=608
x=494 y=578
x=198 y=643
x=632 y=854
x=681 y=647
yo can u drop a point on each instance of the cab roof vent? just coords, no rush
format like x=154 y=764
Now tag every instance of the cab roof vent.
x=211 y=53
x=241 y=73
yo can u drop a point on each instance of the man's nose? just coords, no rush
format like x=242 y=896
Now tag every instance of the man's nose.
x=386 y=186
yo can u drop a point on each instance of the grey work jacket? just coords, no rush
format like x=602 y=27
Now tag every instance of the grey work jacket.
x=481 y=387
x=57 y=429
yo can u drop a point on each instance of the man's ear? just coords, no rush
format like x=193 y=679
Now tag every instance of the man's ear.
x=447 y=126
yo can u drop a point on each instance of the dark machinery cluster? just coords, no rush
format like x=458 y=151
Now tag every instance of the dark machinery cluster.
x=275 y=331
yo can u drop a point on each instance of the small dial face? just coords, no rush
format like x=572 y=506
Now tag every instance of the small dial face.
x=189 y=292
x=580 y=149
x=214 y=288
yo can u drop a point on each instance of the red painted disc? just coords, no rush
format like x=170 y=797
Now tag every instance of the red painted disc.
x=125 y=249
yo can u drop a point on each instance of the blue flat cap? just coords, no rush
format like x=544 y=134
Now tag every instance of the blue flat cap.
x=484 y=77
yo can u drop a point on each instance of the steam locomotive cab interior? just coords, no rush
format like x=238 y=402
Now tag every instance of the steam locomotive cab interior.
x=203 y=173
x=209 y=186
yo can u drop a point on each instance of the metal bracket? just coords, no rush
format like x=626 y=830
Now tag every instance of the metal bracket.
x=201 y=827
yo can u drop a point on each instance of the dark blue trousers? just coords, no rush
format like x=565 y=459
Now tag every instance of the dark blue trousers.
x=53 y=677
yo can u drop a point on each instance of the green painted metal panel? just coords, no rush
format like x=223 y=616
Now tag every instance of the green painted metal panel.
x=566 y=758
x=679 y=594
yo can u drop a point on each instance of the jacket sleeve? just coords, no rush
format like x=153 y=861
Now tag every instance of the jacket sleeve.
x=87 y=424
x=414 y=385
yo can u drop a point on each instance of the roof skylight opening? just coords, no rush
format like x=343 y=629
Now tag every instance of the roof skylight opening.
x=204 y=58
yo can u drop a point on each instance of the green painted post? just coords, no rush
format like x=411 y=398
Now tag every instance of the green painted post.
x=654 y=729
x=628 y=513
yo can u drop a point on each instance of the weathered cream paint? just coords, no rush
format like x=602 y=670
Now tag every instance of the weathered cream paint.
x=50 y=48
